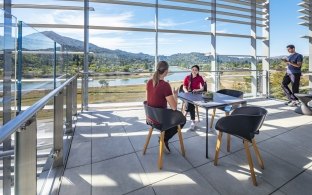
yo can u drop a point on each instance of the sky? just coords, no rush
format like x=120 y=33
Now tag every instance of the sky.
x=284 y=27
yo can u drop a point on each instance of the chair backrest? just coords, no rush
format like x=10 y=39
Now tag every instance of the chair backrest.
x=181 y=89
x=205 y=86
x=252 y=111
x=162 y=118
x=232 y=92
x=244 y=122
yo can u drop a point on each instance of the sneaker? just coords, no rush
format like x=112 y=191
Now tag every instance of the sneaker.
x=293 y=104
x=193 y=125
x=167 y=146
x=287 y=103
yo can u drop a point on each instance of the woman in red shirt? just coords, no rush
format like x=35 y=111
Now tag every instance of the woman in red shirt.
x=193 y=83
x=159 y=93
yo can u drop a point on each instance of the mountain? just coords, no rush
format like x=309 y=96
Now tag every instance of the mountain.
x=110 y=57
x=75 y=45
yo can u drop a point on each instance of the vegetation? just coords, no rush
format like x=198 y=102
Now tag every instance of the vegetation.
x=117 y=63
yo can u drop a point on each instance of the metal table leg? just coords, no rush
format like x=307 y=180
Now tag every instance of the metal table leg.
x=206 y=133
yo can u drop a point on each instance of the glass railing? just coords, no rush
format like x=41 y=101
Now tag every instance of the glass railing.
x=276 y=78
x=32 y=65
x=104 y=88
x=129 y=85
x=8 y=59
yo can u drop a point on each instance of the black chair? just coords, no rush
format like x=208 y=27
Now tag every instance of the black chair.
x=244 y=122
x=183 y=103
x=163 y=119
x=227 y=109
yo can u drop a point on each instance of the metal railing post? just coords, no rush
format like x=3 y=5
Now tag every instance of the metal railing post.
x=267 y=83
x=75 y=97
x=58 y=129
x=26 y=159
x=7 y=90
x=69 y=108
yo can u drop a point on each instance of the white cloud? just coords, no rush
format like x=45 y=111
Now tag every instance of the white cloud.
x=168 y=22
x=223 y=31
x=111 y=43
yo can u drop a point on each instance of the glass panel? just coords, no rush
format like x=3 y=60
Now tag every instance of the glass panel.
x=45 y=119
x=182 y=19
x=235 y=73
x=276 y=77
x=233 y=46
x=120 y=16
x=120 y=75
x=8 y=36
x=182 y=52
x=38 y=65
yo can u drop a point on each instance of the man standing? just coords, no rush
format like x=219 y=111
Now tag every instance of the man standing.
x=293 y=74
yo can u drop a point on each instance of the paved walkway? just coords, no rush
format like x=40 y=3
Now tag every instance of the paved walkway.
x=106 y=157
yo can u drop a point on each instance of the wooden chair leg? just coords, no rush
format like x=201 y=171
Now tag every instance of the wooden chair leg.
x=228 y=145
x=259 y=158
x=212 y=117
x=251 y=167
x=197 y=113
x=218 y=147
x=147 y=140
x=161 y=149
x=182 y=107
x=185 y=114
x=181 y=140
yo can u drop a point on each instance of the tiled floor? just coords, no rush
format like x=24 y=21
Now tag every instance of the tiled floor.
x=106 y=157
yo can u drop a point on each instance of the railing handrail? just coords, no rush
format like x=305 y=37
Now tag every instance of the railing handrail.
x=10 y=127
x=173 y=71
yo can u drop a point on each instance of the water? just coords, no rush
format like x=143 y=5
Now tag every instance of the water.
x=178 y=76
x=42 y=84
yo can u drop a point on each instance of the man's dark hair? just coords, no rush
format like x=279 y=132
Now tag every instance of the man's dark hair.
x=290 y=46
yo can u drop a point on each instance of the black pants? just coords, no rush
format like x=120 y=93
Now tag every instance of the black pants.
x=171 y=132
x=294 y=79
x=190 y=108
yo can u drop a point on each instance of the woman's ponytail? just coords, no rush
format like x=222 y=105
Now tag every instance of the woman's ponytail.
x=162 y=66
x=155 y=78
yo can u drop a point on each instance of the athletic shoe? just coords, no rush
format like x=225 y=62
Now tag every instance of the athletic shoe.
x=293 y=104
x=193 y=125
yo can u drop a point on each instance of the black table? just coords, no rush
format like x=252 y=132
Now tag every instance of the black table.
x=219 y=100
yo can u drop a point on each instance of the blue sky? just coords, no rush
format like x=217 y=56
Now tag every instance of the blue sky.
x=284 y=28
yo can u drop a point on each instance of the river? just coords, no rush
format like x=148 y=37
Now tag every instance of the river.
x=46 y=84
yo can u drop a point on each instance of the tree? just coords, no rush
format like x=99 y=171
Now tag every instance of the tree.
x=103 y=82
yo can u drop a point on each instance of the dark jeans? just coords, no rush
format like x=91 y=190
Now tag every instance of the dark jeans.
x=294 y=79
x=171 y=132
x=190 y=108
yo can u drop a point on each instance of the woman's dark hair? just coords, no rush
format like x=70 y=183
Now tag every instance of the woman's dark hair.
x=196 y=66
x=162 y=66
x=191 y=77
